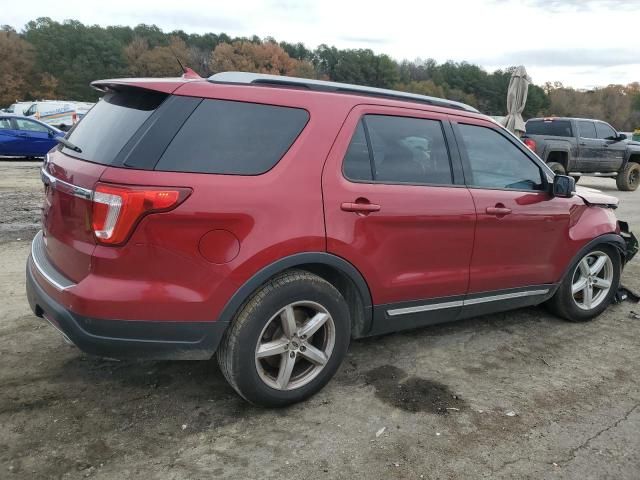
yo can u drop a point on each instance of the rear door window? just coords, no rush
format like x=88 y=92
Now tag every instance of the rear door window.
x=237 y=138
x=550 y=128
x=111 y=123
x=404 y=150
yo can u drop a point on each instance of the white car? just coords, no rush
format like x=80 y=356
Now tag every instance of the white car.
x=58 y=113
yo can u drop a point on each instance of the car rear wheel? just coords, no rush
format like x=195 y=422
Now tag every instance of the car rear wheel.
x=590 y=286
x=557 y=168
x=628 y=178
x=287 y=341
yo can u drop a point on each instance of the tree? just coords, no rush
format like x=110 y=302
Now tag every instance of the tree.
x=16 y=66
x=267 y=57
x=159 y=61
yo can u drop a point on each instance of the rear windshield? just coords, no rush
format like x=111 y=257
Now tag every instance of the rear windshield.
x=237 y=138
x=552 y=128
x=111 y=123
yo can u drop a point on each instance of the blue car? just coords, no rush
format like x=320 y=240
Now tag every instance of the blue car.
x=26 y=137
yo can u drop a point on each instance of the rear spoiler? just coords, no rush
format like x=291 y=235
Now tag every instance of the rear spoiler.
x=164 y=85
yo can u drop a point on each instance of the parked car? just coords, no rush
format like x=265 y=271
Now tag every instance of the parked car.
x=61 y=114
x=581 y=146
x=269 y=220
x=18 y=108
x=25 y=137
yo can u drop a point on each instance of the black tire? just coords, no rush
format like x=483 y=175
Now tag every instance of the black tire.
x=557 y=168
x=563 y=304
x=237 y=352
x=628 y=178
x=576 y=178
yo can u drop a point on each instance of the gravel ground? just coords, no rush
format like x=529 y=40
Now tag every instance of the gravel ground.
x=514 y=395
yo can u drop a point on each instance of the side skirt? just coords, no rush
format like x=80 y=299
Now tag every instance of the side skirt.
x=406 y=315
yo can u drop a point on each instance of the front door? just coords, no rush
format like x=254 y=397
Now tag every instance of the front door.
x=521 y=228
x=398 y=213
x=590 y=147
x=614 y=149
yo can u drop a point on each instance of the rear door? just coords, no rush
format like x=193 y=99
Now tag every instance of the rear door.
x=11 y=143
x=590 y=147
x=396 y=210
x=520 y=227
x=614 y=150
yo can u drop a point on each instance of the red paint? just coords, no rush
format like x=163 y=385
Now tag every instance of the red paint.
x=219 y=246
x=409 y=242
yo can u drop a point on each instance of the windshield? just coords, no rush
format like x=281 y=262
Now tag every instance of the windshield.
x=111 y=123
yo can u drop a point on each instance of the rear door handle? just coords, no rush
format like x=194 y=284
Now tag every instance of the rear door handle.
x=498 y=211
x=360 y=207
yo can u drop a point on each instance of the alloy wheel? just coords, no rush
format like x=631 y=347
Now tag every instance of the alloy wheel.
x=295 y=345
x=592 y=280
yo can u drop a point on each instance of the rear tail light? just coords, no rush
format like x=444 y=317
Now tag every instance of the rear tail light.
x=117 y=209
x=530 y=143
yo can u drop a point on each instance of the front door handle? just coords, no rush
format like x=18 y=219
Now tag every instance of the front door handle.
x=498 y=210
x=360 y=207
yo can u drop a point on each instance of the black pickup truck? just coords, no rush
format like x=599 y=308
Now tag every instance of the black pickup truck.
x=580 y=146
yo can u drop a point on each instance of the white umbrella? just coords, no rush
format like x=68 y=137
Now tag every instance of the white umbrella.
x=516 y=100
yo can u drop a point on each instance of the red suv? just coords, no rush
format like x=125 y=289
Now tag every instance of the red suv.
x=270 y=220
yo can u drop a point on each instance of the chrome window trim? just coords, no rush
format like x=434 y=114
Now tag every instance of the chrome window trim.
x=65 y=187
x=41 y=270
x=471 y=301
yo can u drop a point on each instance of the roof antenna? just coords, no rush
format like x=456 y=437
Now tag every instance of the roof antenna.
x=186 y=71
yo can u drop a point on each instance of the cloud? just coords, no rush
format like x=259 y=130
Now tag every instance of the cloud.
x=580 y=5
x=365 y=40
x=181 y=20
x=566 y=58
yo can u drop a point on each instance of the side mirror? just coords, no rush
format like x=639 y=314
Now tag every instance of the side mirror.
x=563 y=186
x=621 y=136
x=51 y=133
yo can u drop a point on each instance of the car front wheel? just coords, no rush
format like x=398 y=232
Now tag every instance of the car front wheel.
x=590 y=286
x=287 y=341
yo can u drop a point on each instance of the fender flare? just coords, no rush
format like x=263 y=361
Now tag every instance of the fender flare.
x=292 y=261
x=613 y=239
x=561 y=149
x=627 y=157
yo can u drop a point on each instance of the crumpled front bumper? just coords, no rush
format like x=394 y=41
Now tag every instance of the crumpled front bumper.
x=630 y=240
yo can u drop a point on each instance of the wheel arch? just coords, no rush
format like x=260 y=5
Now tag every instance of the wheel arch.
x=558 y=155
x=612 y=239
x=336 y=270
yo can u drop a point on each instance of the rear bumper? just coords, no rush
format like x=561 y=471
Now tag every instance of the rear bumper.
x=144 y=339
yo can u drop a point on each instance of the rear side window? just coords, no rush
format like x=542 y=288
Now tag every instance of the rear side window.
x=111 y=123
x=587 y=129
x=405 y=150
x=551 y=128
x=237 y=138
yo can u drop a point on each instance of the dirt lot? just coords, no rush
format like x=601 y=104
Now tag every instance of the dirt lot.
x=515 y=395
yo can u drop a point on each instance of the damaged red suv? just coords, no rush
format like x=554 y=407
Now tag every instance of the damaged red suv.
x=269 y=220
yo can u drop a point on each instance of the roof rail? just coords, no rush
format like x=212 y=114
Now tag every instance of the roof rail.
x=336 y=87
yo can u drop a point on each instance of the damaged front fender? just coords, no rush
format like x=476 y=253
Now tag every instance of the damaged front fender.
x=630 y=241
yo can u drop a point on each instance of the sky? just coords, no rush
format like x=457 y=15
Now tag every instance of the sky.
x=581 y=43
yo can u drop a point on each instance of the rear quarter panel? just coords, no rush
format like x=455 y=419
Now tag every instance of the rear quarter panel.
x=273 y=215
